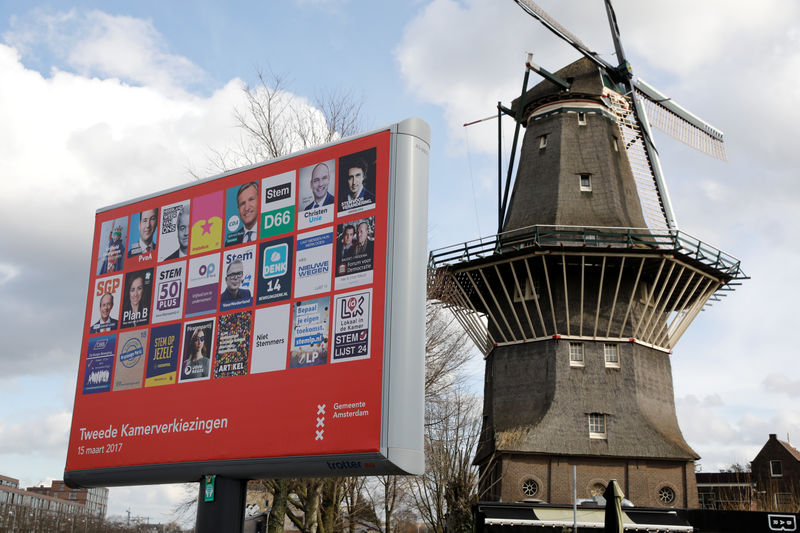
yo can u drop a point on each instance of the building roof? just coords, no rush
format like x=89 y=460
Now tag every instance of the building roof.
x=791 y=449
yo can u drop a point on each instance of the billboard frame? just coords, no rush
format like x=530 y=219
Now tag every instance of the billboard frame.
x=402 y=390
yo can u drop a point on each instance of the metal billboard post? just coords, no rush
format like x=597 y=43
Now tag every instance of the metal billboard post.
x=224 y=510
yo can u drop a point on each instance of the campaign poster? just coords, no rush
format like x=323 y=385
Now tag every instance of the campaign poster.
x=163 y=355
x=316 y=184
x=206 y=216
x=237 y=285
x=241 y=213
x=354 y=262
x=99 y=364
x=351 y=326
x=198 y=342
x=143 y=240
x=136 y=298
x=173 y=239
x=271 y=335
x=313 y=262
x=274 y=272
x=111 y=249
x=310 y=333
x=233 y=344
x=202 y=285
x=277 y=204
x=168 y=294
x=357 y=181
x=106 y=304
x=130 y=362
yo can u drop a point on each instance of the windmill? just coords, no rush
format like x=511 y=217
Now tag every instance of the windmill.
x=636 y=105
x=579 y=299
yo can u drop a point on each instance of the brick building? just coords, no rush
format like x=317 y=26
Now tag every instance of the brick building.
x=776 y=476
x=95 y=500
x=57 y=498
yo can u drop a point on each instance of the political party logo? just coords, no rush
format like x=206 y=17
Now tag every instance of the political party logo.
x=131 y=353
x=129 y=368
x=351 y=327
x=169 y=292
x=277 y=222
x=313 y=263
x=275 y=271
x=99 y=364
x=310 y=333
x=277 y=204
x=275 y=261
x=206 y=216
x=233 y=345
x=162 y=356
x=202 y=285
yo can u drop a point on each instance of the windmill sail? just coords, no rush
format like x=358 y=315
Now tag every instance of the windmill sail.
x=650 y=195
x=679 y=123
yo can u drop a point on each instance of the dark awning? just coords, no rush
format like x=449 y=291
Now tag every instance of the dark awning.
x=587 y=518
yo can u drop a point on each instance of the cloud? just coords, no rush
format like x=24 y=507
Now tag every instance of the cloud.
x=40 y=435
x=783 y=384
x=103 y=45
x=71 y=143
x=724 y=434
x=7 y=272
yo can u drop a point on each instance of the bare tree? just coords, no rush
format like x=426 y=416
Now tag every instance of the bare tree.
x=445 y=493
x=273 y=122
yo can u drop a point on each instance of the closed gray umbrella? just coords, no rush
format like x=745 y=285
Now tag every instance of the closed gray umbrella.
x=613 y=495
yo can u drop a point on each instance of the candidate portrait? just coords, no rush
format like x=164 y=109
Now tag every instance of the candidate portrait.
x=148 y=224
x=105 y=322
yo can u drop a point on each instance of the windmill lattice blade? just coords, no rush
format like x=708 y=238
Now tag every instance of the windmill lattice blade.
x=679 y=128
x=631 y=135
x=552 y=24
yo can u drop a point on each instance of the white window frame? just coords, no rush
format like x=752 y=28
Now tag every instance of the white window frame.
x=598 y=429
x=576 y=348
x=542 y=141
x=588 y=186
x=611 y=355
x=776 y=472
x=581 y=118
x=615 y=143
x=529 y=293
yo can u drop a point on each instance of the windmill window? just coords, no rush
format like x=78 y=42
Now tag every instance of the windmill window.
x=611 y=352
x=775 y=469
x=783 y=498
x=581 y=118
x=666 y=495
x=615 y=143
x=586 y=182
x=576 y=354
x=530 y=487
x=597 y=489
x=531 y=292
x=542 y=142
x=597 y=426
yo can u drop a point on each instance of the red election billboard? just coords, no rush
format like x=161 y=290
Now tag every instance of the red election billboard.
x=265 y=322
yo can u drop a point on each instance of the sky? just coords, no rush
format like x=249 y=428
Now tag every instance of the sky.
x=101 y=102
